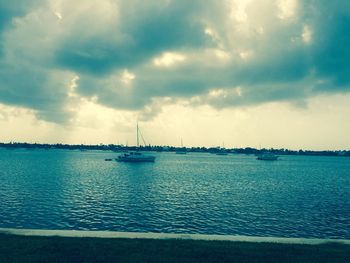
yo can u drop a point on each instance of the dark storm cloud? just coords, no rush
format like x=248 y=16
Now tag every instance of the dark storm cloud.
x=9 y=10
x=332 y=53
x=112 y=46
x=13 y=8
x=35 y=89
x=144 y=33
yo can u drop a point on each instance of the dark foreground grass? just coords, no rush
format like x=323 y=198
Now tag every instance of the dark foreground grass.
x=70 y=249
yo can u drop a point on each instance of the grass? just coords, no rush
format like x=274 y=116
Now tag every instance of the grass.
x=72 y=249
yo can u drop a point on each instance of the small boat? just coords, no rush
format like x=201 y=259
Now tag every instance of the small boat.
x=221 y=153
x=182 y=150
x=267 y=156
x=222 y=150
x=136 y=156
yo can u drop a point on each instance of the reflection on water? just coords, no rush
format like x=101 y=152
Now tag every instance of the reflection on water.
x=298 y=196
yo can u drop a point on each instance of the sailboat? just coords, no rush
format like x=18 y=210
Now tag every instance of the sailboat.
x=182 y=150
x=267 y=156
x=221 y=151
x=136 y=156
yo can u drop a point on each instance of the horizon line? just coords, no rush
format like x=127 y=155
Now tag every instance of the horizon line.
x=101 y=145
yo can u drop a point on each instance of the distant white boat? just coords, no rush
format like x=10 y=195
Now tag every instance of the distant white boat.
x=136 y=156
x=267 y=156
x=182 y=150
x=221 y=151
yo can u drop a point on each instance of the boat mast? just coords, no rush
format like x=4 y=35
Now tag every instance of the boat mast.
x=137 y=134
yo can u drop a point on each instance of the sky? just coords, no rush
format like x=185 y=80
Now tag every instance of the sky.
x=233 y=73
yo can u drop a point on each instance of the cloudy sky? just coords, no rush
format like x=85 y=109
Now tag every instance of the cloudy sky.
x=259 y=73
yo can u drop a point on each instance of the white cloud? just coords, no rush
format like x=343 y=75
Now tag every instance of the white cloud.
x=222 y=54
x=238 y=10
x=246 y=54
x=127 y=77
x=306 y=34
x=72 y=87
x=168 y=59
x=287 y=8
x=58 y=15
x=217 y=93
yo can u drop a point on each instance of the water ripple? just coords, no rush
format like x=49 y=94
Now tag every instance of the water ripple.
x=195 y=193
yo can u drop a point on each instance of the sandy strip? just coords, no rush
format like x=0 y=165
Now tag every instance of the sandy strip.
x=113 y=234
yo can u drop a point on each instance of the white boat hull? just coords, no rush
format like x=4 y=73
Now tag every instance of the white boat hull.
x=135 y=157
x=267 y=157
x=136 y=160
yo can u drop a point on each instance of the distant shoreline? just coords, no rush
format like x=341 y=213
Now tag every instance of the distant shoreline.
x=156 y=148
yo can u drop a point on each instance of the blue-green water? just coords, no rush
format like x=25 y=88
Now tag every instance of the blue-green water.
x=297 y=196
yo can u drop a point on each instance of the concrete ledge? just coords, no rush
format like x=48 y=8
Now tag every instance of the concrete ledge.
x=113 y=234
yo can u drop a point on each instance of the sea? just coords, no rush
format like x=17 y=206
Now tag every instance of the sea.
x=198 y=193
